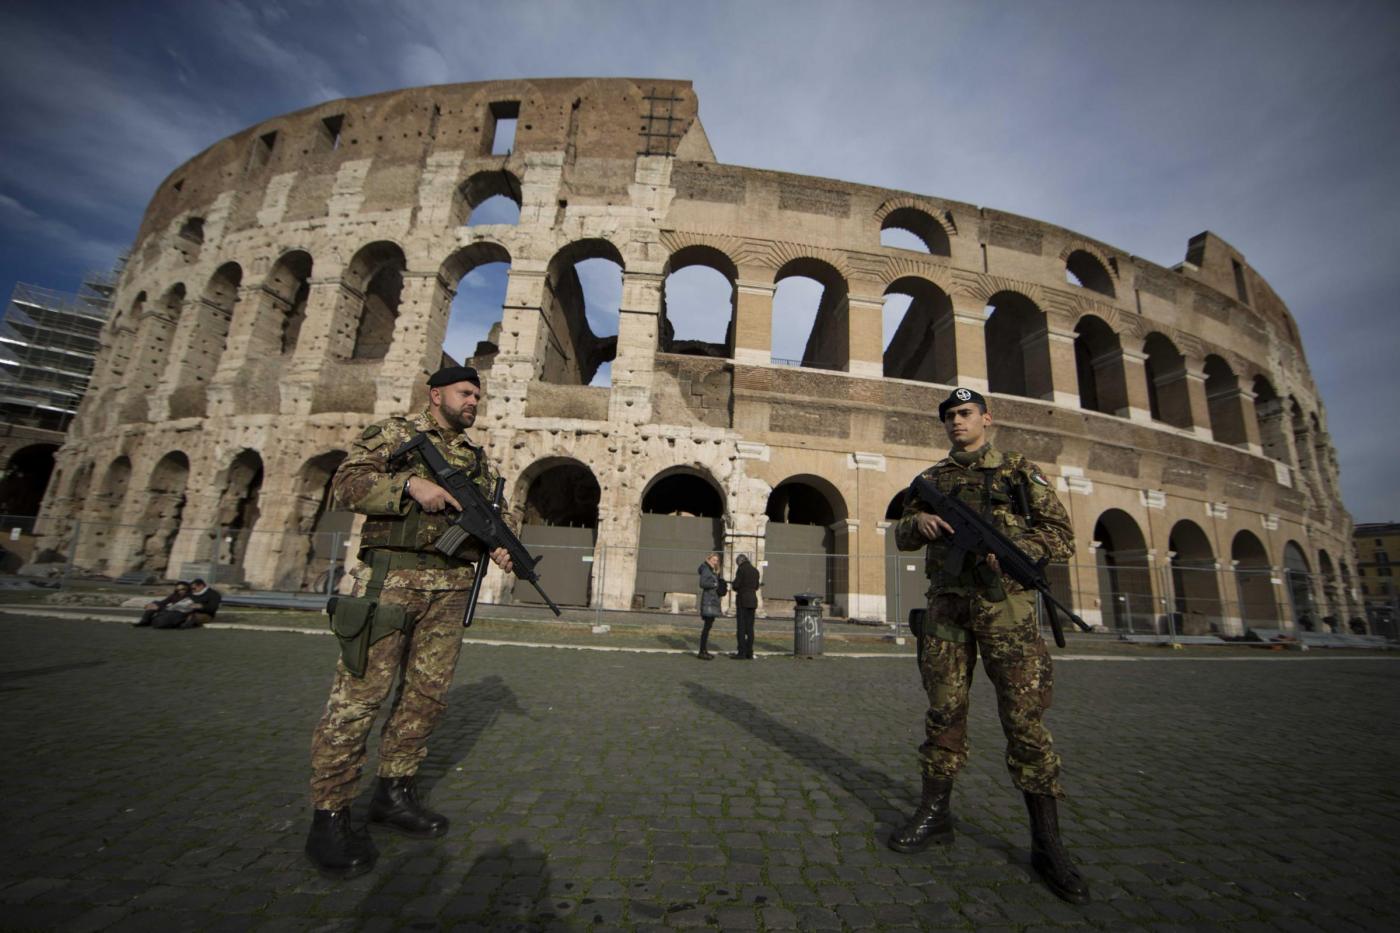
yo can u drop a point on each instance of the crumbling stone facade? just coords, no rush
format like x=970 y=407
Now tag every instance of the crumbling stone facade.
x=292 y=283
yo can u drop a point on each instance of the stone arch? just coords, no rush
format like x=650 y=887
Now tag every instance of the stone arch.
x=1303 y=449
x=1089 y=270
x=1297 y=574
x=812 y=290
x=571 y=353
x=240 y=494
x=1254 y=581
x=481 y=188
x=122 y=334
x=287 y=287
x=1018 y=347
x=912 y=348
x=160 y=519
x=101 y=516
x=1355 y=618
x=1225 y=402
x=25 y=478
x=313 y=553
x=1098 y=360
x=700 y=290
x=806 y=542
x=152 y=357
x=1125 y=574
x=207 y=339
x=1332 y=607
x=469 y=303
x=1168 y=397
x=190 y=239
x=375 y=276
x=559 y=499
x=924 y=230
x=1268 y=411
x=1195 y=581
x=682 y=520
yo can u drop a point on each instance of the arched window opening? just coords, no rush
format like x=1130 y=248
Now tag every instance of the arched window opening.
x=1254 y=582
x=912 y=229
x=1331 y=603
x=238 y=511
x=1303 y=448
x=314 y=557
x=289 y=286
x=160 y=519
x=801 y=543
x=1018 y=347
x=905 y=581
x=681 y=522
x=582 y=302
x=491 y=197
x=916 y=313
x=208 y=339
x=1125 y=577
x=560 y=524
x=1268 y=411
x=377 y=271
x=1224 y=401
x=25 y=479
x=1298 y=576
x=1098 y=361
x=480 y=273
x=810 y=316
x=1167 y=395
x=1194 y=581
x=697 y=303
x=1083 y=268
x=152 y=358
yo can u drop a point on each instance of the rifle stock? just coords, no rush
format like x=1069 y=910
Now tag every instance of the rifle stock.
x=973 y=535
x=478 y=519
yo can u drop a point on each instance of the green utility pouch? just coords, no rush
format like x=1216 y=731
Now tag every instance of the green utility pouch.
x=359 y=621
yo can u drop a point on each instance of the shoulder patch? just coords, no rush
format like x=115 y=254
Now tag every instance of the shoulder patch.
x=369 y=432
x=1039 y=477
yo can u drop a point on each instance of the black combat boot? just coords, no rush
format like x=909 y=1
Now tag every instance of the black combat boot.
x=932 y=821
x=1048 y=855
x=396 y=805
x=336 y=848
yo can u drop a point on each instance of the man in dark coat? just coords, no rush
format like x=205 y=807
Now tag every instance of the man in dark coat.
x=746 y=584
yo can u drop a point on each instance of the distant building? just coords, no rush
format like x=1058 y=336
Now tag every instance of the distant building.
x=48 y=344
x=1376 y=544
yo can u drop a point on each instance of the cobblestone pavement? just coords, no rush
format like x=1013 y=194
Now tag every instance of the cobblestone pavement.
x=156 y=781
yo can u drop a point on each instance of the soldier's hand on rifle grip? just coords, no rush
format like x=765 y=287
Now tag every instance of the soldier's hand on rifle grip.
x=994 y=563
x=932 y=526
x=430 y=496
x=501 y=558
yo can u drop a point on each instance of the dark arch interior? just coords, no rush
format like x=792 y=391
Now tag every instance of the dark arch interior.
x=566 y=494
x=797 y=503
x=683 y=494
x=25 y=478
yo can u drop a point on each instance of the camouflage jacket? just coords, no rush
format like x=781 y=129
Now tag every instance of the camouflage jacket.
x=366 y=483
x=989 y=487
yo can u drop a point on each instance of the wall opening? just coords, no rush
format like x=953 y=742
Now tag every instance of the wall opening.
x=164 y=509
x=559 y=523
x=1083 y=268
x=1098 y=361
x=912 y=229
x=377 y=272
x=1224 y=402
x=480 y=273
x=1018 y=347
x=697 y=303
x=1168 y=397
x=487 y=198
x=916 y=313
x=1194 y=581
x=25 y=478
x=801 y=545
x=682 y=521
x=330 y=131
x=810 y=316
x=500 y=132
x=238 y=511
x=1298 y=576
x=583 y=296
x=1254 y=582
x=1125 y=577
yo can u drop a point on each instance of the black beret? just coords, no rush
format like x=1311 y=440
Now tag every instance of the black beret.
x=960 y=397
x=449 y=375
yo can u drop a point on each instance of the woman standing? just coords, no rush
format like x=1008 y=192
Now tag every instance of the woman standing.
x=710 y=583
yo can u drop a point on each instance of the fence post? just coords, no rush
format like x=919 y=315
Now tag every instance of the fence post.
x=335 y=554
x=599 y=587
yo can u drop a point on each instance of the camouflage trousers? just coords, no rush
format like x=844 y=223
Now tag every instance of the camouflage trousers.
x=422 y=663
x=1007 y=635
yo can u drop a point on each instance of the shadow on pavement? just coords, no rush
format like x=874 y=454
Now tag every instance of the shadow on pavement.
x=877 y=790
x=673 y=641
x=472 y=708
x=7 y=676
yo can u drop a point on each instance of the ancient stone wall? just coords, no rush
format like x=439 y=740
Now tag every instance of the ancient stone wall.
x=293 y=283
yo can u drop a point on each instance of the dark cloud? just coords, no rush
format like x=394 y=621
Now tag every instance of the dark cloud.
x=1140 y=124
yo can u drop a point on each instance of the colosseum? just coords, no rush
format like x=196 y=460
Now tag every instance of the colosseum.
x=294 y=282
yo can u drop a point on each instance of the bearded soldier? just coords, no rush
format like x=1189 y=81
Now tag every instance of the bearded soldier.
x=410 y=601
x=976 y=609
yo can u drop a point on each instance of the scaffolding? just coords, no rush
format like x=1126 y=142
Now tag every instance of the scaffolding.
x=48 y=345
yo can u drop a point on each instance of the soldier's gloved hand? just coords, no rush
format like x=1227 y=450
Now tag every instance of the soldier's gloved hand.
x=994 y=563
x=501 y=558
x=931 y=526
x=429 y=495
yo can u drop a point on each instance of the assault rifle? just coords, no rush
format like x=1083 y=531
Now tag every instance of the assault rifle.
x=478 y=519
x=973 y=535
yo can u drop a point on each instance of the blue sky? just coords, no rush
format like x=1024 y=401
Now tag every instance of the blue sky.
x=1141 y=124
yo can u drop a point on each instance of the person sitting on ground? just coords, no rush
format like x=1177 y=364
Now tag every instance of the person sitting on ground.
x=181 y=591
x=197 y=608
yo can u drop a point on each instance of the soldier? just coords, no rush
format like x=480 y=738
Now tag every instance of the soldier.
x=980 y=610
x=404 y=514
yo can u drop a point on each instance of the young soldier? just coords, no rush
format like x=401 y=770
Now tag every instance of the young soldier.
x=978 y=609
x=405 y=513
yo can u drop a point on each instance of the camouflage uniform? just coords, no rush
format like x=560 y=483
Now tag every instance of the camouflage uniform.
x=433 y=591
x=980 y=611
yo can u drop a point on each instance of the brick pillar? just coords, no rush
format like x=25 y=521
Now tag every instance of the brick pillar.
x=753 y=321
x=1136 y=405
x=254 y=332
x=866 y=321
x=419 y=331
x=329 y=330
x=968 y=344
x=147 y=364
x=523 y=333
x=1196 y=398
x=634 y=366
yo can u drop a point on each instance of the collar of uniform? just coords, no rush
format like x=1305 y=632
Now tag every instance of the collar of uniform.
x=425 y=422
x=990 y=460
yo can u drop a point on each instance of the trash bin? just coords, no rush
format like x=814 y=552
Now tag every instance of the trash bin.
x=807 y=625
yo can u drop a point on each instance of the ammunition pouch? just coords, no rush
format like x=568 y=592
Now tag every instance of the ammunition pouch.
x=359 y=621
